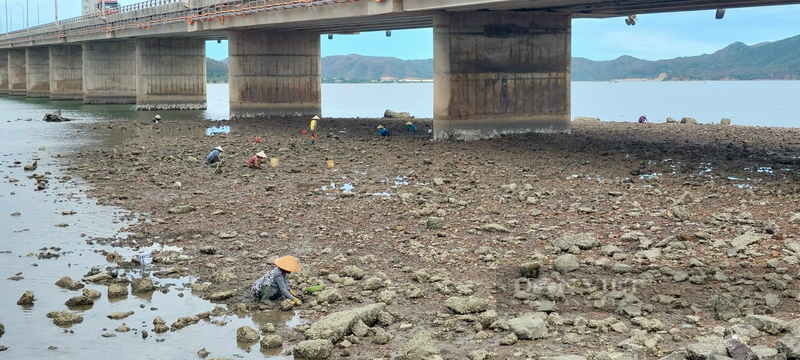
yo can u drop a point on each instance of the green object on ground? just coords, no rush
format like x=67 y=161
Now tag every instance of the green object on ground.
x=313 y=289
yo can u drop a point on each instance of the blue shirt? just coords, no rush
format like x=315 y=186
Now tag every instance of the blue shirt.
x=412 y=127
x=384 y=132
x=213 y=154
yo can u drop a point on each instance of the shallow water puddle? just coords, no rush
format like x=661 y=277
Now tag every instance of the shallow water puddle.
x=52 y=236
x=218 y=130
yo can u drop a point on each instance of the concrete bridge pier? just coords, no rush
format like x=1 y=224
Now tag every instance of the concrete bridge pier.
x=500 y=72
x=37 y=71
x=17 y=81
x=109 y=72
x=3 y=71
x=170 y=74
x=66 y=72
x=274 y=74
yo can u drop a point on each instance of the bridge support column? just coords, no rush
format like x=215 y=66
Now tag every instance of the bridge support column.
x=17 y=81
x=66 y=72
x=170 y=74
x=3 y=71
x=37 y=71
x=274 y=74
x=109 y=73
x=498 y=72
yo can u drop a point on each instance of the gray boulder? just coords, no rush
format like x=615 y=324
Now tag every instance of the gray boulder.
x=313 y=349
x=329 y=296
x=725 y=121
x=466 y=305
x=566 y=263
x=143 y=285
x=671 y=121
x=117 y=290
x=527 y=327
x=689 y=120
x=767 y=353
x=739 y=350
x=789 y=345
x=79 y=301
x=64 y=317
x=767 y=324
x=246 y=334
x=182 y=209
x=336 y=326
x=221 y=295
x=420 y=347
x=726 y=309
x=67 y=283
x=584 y=241
x=117 y=315
x=389 y=114
x=702 y=350
x=353 y=271
x=26 y=298
x=530 y=269
x=272 y=341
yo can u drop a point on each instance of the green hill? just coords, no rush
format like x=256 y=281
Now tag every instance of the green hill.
x=358 y=68
x=779 y=60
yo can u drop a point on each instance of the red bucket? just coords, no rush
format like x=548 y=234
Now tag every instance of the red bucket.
x=304 y=132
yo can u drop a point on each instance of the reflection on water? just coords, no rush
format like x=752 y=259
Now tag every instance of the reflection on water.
x=218 y=130
x=41 y=225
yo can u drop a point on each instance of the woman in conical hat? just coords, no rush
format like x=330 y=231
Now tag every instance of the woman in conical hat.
x=255 y=161
x=273 y=285
x=214 y=155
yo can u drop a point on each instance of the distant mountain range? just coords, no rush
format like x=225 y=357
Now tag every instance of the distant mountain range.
x=778 y=60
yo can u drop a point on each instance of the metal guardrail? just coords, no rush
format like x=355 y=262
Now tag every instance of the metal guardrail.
x=146 y=14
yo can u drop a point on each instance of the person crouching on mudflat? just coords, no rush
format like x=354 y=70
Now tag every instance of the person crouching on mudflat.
x=383 y=132
x=273 y=285
x=255 y=161
x=214 y=156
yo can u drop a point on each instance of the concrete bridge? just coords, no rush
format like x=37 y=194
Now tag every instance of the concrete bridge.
x=500 y=66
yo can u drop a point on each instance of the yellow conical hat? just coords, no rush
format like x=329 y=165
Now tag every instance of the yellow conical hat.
x=288 y=263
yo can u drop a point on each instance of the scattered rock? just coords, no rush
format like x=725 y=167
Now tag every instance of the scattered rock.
x=689 y=120
x=420 y=347
x=329 y=296
x=389 y=114
x=142 y=285
x=313 y=349
x=209 y=249
x=118 y=315
x=527 y=327
x=725 y=121
x=182 y=209
x=91 y=294
x=67 y=283
x=272 y=341
x=117 y=290
x=353 y=271
x=26 y=298
x=466 y=305
x=583 y=241
x=54 y=118
x=247 y=334
x=336 y=326
x=530 y=269
x=79 y=301
x=767 y=324
x=286 y=305
x=726 y=309
x=222 y=295
x=64 y=317
x=566 y=263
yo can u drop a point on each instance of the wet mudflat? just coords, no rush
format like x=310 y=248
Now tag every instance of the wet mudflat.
x=616 y=238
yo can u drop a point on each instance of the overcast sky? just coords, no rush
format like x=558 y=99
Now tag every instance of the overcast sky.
x=654 y=37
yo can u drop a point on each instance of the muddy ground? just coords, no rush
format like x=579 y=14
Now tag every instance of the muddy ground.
x=670 y=198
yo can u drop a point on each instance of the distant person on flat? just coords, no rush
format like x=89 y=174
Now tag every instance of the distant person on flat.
x=643 y=119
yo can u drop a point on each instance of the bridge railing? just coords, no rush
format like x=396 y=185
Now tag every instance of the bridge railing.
x=146 y=14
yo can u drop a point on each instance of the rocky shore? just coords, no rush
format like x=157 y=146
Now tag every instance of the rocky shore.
x=617 y=241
